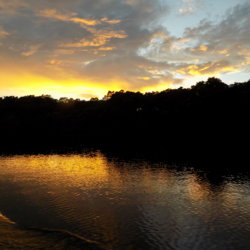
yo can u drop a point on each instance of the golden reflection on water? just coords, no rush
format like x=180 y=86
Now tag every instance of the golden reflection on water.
x=95 y=171
x=196 y=189
x=117 y=201
x=71 y=170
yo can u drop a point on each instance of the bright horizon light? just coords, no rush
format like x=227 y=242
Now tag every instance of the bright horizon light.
x=83 y=49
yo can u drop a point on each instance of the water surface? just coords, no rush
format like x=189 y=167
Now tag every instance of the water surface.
x=127 y=204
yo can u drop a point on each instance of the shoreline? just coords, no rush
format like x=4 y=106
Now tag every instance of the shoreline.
x=13 y=237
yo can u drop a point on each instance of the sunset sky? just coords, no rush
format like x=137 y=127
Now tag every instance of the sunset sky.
x=83 y=48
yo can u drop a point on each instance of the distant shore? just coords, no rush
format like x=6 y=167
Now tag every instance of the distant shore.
x=208 y=121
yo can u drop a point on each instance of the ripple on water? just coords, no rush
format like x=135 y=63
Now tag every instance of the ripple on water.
x=127 y=205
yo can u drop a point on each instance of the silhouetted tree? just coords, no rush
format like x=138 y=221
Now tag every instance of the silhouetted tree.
x=209 y=113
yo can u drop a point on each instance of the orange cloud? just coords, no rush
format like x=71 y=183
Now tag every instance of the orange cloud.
x=203 y=48
x=106 y=48
x=3 y=33
x=207 y=69
x=54 y=14
x=223 y=52
x=32 y=50
x=64 y=52
x=113 y=21
x=101 y=37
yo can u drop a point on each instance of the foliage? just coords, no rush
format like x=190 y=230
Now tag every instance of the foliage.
x=209 y=113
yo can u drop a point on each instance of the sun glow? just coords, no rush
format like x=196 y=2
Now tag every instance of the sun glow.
x=34 y=84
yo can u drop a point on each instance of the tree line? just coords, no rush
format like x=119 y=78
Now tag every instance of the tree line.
x=211 y=116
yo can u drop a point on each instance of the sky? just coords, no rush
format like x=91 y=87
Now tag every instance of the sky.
x=84 y=48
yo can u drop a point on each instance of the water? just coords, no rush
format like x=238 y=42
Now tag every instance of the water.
x=127 y=204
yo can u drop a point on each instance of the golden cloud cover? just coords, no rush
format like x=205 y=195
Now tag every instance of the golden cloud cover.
x=85 y=48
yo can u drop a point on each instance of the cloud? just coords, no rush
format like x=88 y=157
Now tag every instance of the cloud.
x=72 y=17
x=95 y=37
x=210 y=68
x=32 y=50
x=189 y=6
x=69 y=36
x=207 y=49
x=3 y=33
x=229 y=38
x=99 y=38
x=112 y=44
x=186 y=10
x=11 y=7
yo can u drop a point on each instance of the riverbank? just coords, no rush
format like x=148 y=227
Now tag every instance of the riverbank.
x=13 y=237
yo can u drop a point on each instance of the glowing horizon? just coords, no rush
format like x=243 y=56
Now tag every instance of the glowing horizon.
x=83 y=50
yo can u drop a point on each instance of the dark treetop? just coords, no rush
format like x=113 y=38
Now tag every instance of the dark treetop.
x=210 y=118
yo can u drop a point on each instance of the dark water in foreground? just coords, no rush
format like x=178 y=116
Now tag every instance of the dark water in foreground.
x=127 y=204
